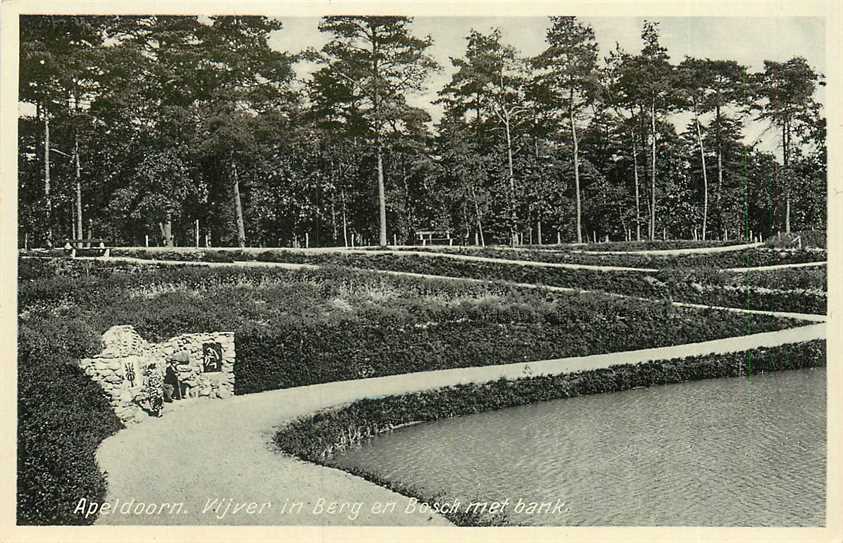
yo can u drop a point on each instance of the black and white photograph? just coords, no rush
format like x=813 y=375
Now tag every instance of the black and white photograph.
x=391 y=268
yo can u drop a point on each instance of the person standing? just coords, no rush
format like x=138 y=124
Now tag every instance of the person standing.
x=154 y=390
x=172 y=387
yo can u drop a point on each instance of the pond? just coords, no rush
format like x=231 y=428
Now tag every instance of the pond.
x=720 y=452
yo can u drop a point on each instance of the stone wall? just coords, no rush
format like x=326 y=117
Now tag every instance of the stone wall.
x=204 y=362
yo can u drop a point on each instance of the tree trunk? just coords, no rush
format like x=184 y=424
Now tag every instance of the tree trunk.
x=637 y=197
x=344 y=220
x=477 y=216
x=78 y=185
x=381 y=199
x=48 y=201
x=653 y=171
x=786 y=156
x=719 y=161
x=513 y=217
x=705 y=174
x=576 y=168
x=333 y=217
x=168 y=230
x=238 y=207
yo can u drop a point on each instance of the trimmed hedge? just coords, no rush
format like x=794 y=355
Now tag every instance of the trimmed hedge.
x=659 y=245
x=62 y=418
x=737 y=259
x=808 y=238
x=662 y=284
x=305 y=354
x=316 y=438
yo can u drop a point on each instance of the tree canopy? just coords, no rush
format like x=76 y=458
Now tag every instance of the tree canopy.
x=185 y=130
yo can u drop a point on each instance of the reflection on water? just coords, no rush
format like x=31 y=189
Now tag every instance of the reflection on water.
x=722 y=452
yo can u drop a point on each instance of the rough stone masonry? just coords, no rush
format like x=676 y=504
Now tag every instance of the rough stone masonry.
x=205 y=365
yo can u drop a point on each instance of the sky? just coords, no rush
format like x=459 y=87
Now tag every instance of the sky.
x=748 y=40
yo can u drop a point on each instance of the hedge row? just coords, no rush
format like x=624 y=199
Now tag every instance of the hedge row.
x=318 y=437
x=726 y=291
x=804 y=238
x=302 y=354
x=62 y=418
x=737 y=259
x=661 y=285
x=813 y=279
x=659 y=245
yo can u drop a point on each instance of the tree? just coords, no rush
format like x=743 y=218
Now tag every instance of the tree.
x=785 y=91
x=57 y=53
x=619 y=94
x=649 y=79
x=692 y=79
x=491 y=81
x=568 y=74
x=377 y=61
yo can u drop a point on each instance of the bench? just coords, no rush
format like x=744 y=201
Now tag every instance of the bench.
x=86 y=247
x=429 y=237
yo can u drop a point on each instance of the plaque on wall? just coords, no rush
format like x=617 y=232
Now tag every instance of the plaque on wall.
x=211 y=357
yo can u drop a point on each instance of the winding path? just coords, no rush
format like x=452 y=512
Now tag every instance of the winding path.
x=205 y=450
x=292 y=266
x=677 y=252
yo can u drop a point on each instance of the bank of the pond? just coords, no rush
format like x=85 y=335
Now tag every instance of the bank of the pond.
x=315 y=438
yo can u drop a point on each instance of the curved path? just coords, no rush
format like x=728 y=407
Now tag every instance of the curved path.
x=206 y=450
x=292 y=266
x=778 y=267
x=676 y=252
x=472 y=258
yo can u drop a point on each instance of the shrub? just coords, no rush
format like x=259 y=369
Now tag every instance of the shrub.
x=659 y=285
x=737 y=259
x=62 y=418
x=717 y=291
x=805 y=238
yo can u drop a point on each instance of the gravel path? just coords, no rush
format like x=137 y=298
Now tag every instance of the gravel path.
x=778 y=267
x=470 y=258
x=205 y=450
x=291 y=266
x=675 y=252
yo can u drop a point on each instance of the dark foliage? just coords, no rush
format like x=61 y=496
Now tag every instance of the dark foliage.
x=696 y=283
x=62 y=418
x=805 y=238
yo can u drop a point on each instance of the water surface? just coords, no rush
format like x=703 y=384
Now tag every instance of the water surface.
x=720 y=452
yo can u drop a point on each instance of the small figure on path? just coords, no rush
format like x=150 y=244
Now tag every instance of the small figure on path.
x=154 y=390
x=172 y=388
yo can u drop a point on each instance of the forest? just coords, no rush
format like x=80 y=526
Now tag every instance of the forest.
x=182 y=130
